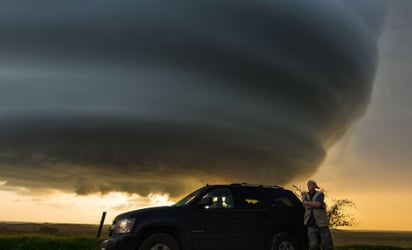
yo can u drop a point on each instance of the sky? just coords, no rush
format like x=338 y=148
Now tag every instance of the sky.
x=372 y=163
x=115 y=106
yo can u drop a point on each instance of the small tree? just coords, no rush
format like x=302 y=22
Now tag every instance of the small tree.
x=338 y=217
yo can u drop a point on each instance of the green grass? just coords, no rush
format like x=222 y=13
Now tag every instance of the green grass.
x=375 y=239
x=47 y=236
x=46 y=242
x=371 y=247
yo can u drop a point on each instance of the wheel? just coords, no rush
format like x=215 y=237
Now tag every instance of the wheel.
x=283 y=241
x=159 y=241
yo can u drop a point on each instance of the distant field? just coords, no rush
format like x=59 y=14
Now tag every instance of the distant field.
x=45 y=242
x=47 y=236
x=39 y=236
x=70 y=230
x=388 y=238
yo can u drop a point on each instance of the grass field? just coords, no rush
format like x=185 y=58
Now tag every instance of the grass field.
x=39 y=236
x=46 y=242
x=388 y=238
x=46 y=236
x=72 y=230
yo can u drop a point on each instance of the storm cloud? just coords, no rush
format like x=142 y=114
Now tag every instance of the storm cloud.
x=159 y=96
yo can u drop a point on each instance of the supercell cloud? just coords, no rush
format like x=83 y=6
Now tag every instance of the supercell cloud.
x=158 y=96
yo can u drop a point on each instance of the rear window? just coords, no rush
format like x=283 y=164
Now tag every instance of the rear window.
x=250 y=198
x=282 y=201
x=282 y=198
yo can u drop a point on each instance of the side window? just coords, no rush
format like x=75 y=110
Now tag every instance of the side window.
x=251 y=199
x=281 y=198
x=222 y=198
x=282 y=201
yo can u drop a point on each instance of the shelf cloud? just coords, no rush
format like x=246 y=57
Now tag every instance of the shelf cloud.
x=154 y=96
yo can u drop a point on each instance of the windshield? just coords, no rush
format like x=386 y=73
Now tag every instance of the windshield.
x=186 y=200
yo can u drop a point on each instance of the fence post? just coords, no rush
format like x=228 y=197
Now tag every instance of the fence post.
x=101 y=225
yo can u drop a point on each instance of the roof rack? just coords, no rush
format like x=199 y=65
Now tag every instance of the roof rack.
x=255 y=185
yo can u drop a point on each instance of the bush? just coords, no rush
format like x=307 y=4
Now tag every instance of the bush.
x=338 y=217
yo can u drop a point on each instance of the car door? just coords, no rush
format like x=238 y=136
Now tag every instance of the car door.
x=215 y=222
x=250 y=207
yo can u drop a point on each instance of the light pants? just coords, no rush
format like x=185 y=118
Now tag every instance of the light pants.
x=319 y=236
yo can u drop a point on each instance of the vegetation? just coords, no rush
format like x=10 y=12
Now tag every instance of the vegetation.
x=337 y=213
x=55 y=229
x=337 y=210
x=375 y=238
x=371 y=247
x=47 y=236
x=26 y=236
x=45 y=242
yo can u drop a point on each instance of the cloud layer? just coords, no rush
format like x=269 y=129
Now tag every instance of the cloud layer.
x=153 y=96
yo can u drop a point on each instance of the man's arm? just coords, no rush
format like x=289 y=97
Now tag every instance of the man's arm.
x=319 y=203
x=312 y=204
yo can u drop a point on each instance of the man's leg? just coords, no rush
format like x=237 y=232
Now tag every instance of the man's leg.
x=313 y=237
x=326 y=238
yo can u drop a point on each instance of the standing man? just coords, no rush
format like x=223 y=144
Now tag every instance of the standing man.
x=316 y=218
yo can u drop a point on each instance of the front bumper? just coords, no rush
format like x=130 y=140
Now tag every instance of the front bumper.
x=120 y=242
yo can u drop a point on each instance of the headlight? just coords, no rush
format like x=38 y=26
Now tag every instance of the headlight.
x=124 y=225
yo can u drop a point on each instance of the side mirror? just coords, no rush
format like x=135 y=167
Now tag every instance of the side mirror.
x=205 y=202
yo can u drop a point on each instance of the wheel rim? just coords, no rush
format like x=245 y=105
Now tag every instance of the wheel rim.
x=160 y=246
x=286 y=245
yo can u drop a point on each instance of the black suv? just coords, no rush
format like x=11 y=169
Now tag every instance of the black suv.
x=235 y=216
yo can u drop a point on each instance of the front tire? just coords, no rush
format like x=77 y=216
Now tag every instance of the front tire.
x=283 y=241
x=159 y=241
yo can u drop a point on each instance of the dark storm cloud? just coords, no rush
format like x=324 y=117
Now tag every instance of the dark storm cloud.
x=154 y=96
